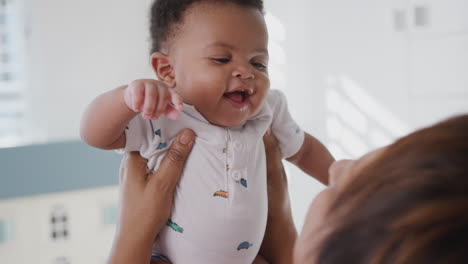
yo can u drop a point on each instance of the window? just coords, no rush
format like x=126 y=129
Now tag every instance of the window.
x=12 y=73
x=276 y=65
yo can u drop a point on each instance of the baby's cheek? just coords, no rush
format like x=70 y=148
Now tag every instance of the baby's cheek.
x=256 y=104
x=189 y=95
x=264 y=81
x=260 y=97
x=263 y=86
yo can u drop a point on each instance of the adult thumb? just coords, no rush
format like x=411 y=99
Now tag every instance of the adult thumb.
x=173 y=163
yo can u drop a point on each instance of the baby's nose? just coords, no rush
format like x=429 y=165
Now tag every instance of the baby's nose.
x=243 y=74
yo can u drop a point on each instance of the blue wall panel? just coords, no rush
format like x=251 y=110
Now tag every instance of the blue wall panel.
x=56 y=167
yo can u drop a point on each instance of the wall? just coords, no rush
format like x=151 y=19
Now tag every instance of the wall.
x=55 y=167
x=362 y=73
x=77 y=50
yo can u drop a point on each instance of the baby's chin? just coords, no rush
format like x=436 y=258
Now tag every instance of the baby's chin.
x=228 y=116
x=228 y=122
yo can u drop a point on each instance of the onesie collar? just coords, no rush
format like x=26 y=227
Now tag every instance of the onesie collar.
x=191 y=111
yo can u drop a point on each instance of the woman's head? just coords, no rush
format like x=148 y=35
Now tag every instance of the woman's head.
x=406 y=203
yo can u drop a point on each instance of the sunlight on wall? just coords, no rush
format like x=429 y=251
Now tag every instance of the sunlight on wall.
x=277 y=36
x=356 y=122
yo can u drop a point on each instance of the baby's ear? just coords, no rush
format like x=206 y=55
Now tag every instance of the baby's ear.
x=163 y=68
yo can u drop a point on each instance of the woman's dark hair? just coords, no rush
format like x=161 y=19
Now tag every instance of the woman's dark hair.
x=166 y=14
x=410 y=205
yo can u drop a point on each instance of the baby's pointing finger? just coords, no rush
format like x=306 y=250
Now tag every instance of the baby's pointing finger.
x=171 y=112
x=151 y=100
x=163 y=101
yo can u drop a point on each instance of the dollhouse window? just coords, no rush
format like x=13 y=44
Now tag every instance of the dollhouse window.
x=59 y=224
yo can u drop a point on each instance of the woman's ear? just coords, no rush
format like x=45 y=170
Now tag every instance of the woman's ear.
x=163 y=68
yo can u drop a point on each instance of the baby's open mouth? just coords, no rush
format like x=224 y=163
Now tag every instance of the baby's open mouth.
x=237 y=96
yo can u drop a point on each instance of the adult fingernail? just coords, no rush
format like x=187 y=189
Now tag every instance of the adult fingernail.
x=186 y=138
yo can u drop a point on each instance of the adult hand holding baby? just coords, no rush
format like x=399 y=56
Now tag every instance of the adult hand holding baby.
x=146 y=200
x=280 y=234
x=153 y=98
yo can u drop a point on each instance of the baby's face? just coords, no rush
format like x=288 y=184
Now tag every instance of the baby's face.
x=219 y=57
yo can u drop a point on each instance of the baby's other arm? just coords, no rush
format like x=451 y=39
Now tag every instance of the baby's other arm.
x=104 y=121
x=313 y=158
x=103 y=124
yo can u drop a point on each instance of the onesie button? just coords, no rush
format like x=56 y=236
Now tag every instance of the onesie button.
x=236 y=175
x=230 y=157
x=237 y=145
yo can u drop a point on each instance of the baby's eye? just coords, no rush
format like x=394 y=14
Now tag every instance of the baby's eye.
x=259 y=66
x=221 y=60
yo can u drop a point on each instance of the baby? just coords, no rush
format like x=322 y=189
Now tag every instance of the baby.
x=210 y=58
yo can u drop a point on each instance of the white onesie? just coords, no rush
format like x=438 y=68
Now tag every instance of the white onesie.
x=220 y=204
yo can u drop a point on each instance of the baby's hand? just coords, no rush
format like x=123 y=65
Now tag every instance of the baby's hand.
x=153 y=98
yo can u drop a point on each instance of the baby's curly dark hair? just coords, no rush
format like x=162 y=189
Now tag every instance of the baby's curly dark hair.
x=166 y=14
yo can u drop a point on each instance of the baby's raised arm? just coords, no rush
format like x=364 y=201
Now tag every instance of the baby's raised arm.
x=313 y=158
x=104 y=121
